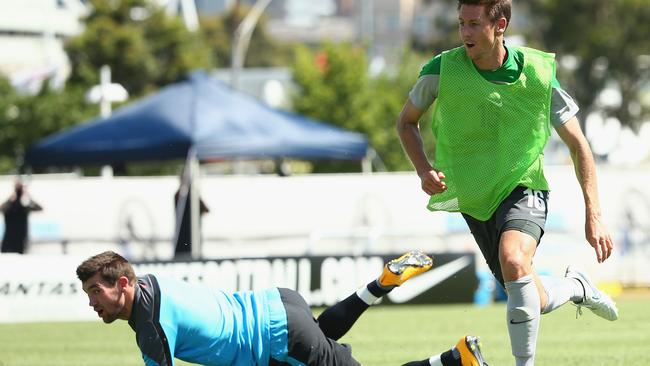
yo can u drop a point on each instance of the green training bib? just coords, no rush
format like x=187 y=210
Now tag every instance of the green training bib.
x=490 y=137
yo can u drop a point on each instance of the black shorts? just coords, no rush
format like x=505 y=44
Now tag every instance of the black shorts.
x=306 y=342
x=523 y=210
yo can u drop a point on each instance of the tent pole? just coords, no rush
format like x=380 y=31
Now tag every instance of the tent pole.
x=195 y=206
x=366 y=162
x=182 y=200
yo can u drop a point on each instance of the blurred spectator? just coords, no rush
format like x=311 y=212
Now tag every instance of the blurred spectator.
x=16 y=210
x=183 y=203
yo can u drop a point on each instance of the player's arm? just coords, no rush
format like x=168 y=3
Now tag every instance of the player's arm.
x=5 y=206
x=421 y=96
x=153 y=343
x=35 y=206
x=203 y=206
x=408 y=129
x=31 y=204
x=596 y=233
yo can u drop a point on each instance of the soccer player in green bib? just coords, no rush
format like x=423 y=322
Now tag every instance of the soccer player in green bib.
x=494 y=106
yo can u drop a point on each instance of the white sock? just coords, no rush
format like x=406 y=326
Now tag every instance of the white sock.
x=366 y=296
x=523 y=319
x=435 y=361
x=559 y=290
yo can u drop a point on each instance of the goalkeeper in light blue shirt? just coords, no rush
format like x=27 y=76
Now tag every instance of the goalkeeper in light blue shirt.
x=175 y=319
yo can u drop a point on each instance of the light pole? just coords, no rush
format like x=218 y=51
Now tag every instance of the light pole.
x=242 y=39
x=106 y=93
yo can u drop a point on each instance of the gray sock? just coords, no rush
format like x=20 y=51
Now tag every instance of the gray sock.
x=523 y=319
x=525 y=361
x=559 y=290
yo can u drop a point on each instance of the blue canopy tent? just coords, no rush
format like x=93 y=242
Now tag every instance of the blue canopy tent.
x=200 y=113
x=198 y=119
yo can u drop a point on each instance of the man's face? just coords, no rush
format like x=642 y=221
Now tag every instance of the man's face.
x=478 y=33
x=107 y=301
x=18 y=188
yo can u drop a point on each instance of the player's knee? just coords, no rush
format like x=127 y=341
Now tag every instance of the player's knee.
x=514 y=266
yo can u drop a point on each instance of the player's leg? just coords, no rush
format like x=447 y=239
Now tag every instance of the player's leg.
x=576 y=287
x=504 y=242
x=467 y=352
x=524 y=302
x=306 y=343
x=525 y=211
x=553 y=291
x=520 y=220
x=336 y=320
x=592 y=298
x=559 y=291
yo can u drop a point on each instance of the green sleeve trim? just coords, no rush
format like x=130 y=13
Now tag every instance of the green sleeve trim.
x=432 y=67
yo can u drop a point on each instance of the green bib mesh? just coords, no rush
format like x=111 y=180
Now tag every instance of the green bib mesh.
x=490 y=137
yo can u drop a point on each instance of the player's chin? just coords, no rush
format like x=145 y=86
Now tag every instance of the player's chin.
x=108 y=319
x=471 y=52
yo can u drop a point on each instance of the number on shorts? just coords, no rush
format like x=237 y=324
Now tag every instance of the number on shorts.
x=535 y=199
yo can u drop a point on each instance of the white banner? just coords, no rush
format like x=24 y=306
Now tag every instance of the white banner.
x=256 y=216
x=41 y=288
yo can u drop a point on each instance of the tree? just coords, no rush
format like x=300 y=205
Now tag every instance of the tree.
x=9 y=129
x=26 y=118
x=334 y=86
x=388 y=93
x=218 y=37
x=145 y=48
x=331 y=86
x=443 y=33
x=609 y=40
x=263 y=51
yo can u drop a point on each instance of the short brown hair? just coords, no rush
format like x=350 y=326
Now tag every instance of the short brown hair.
x=111 y=266
x=494 y=9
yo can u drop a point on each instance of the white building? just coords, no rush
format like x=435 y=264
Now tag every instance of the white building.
x=32 y=34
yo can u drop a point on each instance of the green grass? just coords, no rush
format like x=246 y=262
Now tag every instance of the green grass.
x=383 y=336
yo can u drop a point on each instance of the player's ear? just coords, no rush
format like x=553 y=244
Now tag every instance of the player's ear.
x=501 y=25
x=123 y=282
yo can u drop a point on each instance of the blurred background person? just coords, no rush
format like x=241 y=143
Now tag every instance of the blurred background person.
x=183 y=209
x=16 y=210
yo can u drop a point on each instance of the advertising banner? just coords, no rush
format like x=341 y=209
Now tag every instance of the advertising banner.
x=324 y=280
x=45 y=288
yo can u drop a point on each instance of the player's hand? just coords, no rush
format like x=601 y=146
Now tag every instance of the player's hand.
x=599 y=238
x=433 y=182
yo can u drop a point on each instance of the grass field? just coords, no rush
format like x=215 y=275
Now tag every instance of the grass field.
x=383 y=336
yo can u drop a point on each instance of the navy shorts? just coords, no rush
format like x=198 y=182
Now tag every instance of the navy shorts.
x=523 y=210
x=307 y=344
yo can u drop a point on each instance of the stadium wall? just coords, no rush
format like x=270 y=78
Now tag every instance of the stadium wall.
x=338 y=214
